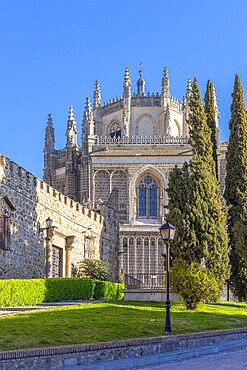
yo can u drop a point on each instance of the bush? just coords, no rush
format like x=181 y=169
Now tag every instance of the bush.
x=93 y=269
x=16 y=292
x=194 y=284
x=107 y=290
x=31 y=292
x=57 y=289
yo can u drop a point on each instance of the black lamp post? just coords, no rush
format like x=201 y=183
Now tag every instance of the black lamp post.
x=49 y=222
x=167 y=232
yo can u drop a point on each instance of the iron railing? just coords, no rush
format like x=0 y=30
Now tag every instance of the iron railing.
x=144 y=281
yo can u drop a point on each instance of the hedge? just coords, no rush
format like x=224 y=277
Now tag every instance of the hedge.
x=107 y=290
x=58 y=289
x=30 y=292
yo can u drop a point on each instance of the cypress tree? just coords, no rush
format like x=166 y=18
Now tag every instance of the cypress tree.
x=210 y=109
x=197 y=212
x=236 y=188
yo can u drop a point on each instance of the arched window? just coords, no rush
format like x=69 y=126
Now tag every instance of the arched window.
x=115 y=130
x=147 y=197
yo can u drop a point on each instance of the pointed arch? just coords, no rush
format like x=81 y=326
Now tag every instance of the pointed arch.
x=114 y=129
x=148 y=123
x=147 y=193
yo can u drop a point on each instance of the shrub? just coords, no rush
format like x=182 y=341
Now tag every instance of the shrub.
x=58 y=289
x=31 y=292
x=194 y=283
x=17 y=292
x=107 y=290
x=93 y=269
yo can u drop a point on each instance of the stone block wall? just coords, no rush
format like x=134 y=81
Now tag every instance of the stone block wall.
x=34 y=201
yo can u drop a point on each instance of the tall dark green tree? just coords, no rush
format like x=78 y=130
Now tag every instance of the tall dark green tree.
x=236 y=189
x=211 y=114
x=195 y=205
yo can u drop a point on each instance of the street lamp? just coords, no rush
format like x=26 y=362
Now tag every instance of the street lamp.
x=167 y=232
x=49 y=222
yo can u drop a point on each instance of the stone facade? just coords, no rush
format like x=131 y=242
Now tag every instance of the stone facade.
x=130 y=144
x=30 y=248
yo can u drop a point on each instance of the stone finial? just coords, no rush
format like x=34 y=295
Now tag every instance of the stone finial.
x=49 y=135
x=141 y=83
x=216 y=106
x=71 y=114
x=127 y=83
x=87 y=109
x=96 y=95
x=189 y=89
x=88 y=118
x=71 y=132
x=165 y=83
x=127 y=75
x=49 y=121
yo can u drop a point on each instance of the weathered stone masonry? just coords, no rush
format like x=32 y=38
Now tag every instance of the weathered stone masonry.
x=77 y=232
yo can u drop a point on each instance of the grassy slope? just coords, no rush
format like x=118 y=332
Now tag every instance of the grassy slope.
x=113 y=321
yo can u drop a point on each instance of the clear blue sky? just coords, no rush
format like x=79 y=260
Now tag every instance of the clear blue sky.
x=52 y=51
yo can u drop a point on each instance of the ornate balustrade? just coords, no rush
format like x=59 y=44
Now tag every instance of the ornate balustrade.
x=140 y=140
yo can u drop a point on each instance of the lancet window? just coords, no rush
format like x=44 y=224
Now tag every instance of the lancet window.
x=147 y=197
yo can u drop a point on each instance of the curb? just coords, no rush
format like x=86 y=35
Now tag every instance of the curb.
x=161 y=359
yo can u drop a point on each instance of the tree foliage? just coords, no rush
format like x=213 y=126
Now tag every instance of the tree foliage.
x=195 y=206
x=194 y=283
x=210 y=109
x=93 y=269
x=236 y=190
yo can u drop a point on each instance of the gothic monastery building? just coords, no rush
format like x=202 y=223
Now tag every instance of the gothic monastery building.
x=130 y=144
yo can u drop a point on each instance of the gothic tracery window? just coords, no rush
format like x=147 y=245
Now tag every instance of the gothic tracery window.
x=115 y=130
x=147 y=197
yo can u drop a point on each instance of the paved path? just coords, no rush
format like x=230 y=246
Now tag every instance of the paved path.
x=231 y=355
x=43 y=306
x=230 y=360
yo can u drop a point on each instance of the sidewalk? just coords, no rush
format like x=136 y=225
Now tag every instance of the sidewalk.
x=43 y=306
x=174 y=358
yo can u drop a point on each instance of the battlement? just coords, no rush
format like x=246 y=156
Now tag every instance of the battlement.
x=18 y=179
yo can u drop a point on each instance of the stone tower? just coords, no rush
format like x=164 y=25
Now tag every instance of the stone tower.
x=129 y=144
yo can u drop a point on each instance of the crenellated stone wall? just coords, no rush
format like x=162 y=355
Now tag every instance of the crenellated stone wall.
x=77 y=232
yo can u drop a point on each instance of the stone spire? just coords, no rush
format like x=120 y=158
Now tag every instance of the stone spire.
x=49 y=135
x=88 y=128
x=71 y=132
x=217 y=114
x=216 y=106
x=165 y=93
x=127 y=84
x=126 y=102
x=188 y=90
x=186 y=108
x=165 y=84
x=96 y=95
x=88 y=123
x=141 y=83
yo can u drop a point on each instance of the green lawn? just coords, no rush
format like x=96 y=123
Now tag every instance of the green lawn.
x=112 y=321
